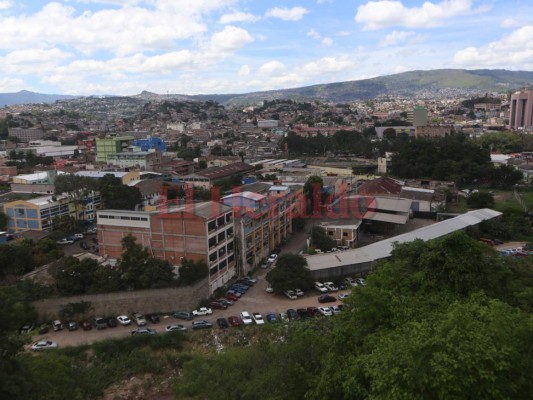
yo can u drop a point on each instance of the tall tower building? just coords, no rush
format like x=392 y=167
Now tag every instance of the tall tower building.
x=521 y=114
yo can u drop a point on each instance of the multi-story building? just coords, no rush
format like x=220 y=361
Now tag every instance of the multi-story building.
x=207 y=177
x=145 y=160
x=26 y=135
x=262 y=222
x=125 y=177
x=151 y=143
x=345 y=233
x=521 y=114
x=39 y=213
x=197 y=231
x=111 y=145
x=38 y=182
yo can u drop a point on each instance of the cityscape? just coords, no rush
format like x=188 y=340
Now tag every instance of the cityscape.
x=224 y=203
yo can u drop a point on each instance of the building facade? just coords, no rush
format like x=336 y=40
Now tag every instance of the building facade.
x=111 y=145
x=198 y=231
x=26 y=135
x=145 y=160
x=521 y=113
x=38 y=214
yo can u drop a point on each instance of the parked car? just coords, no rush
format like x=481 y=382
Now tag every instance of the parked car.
x=78 y=235
x=331 y=286
x=258 y=318
x=65 y=241
x=312 y=311
x=139 y=319
x=44 y=329
x=27 y=328
x=99 y=323
x=202 y=311
x=111 y=322
x=342 y=285
x=124 y=320
x=72 y=326
x=335 y=310
x=271 y=317
x=232 y=296
x=43 y=345
x=225 y=301
x=234 y=321
x=246 y=318
x=144 y=331
x=320 y=287
x=326 y=298
x=176 y=328
x=299 y=292
x=326 y=311
x=361 y=281
x=57 y=325
x=86 y=325
x=215 y=305
x=186 y=315
x=283 y=317
x=351 y=281
x=290 y=294
x=84 y=245
x=303 y=313
x=153 y=318
x=222 y=323
x=265 y=264
x=269 y=289
x=201 y=324
x=343 y=296
x=292 y=314
x=273 y=257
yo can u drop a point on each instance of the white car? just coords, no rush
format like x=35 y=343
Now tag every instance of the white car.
x=176 y=328
x=299 y=292
x=331 y=286
x=270 y=289
x=335 y=310
x=124 y=320
x=246 y=318
x=320 y=287
x=351 y=282
x=343 y=296
x=78 y=235
x=258 y=318
x=139 y=319
x=361 y=281
x=202 y=311
x=273 y=257
x=290 y=294
x=43 y=345
x=326 y=311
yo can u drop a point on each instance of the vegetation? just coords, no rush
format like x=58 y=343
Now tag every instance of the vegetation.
x=191 y=272
x=342 y=142
x=290 y=272
x=320 y=239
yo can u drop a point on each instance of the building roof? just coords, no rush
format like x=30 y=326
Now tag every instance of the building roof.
x=214 y=173
x=383 y=185
x=280 y=188
x=38 y=175
x=148 y=186
x=383 y=249
x=101 y=174
x=246 y=195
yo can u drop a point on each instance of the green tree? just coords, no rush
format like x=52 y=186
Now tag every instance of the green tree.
x=290 y=272
x=320 y=239
x=505 y=177
x=480 y=200
x=117 y=196
x=3 y=221
x=313 y=193
x=191 y=272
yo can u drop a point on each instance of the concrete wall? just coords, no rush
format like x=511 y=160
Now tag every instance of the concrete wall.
x=117 y=303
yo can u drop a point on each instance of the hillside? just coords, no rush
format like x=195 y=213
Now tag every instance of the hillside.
x=422 y=84
x=27 y=97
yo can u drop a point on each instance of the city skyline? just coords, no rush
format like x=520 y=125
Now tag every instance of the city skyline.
x=123 y=47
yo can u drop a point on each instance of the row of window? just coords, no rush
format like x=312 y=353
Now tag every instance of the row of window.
x=123 y=217
x=223 y=264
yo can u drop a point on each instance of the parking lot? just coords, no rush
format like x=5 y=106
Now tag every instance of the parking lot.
x=255 y=300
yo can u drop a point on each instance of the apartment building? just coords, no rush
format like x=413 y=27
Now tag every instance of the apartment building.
x=111 y=145
x=197 y=231
x=262 y=222
x=39 y=213
x=521 y=114
x=26 y=135
x=145 y=160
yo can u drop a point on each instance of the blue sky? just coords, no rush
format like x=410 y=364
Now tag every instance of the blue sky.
x=123 y=47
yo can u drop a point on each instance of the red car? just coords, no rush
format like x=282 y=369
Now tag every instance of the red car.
x=86 y=325
x=234 y=321
x=232 y=296
x=218 y=306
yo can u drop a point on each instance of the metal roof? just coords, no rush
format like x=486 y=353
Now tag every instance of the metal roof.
x=383 y=249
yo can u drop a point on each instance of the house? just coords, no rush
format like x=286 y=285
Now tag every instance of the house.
x=206 y=178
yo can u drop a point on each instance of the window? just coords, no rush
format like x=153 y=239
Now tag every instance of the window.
x=344 y=233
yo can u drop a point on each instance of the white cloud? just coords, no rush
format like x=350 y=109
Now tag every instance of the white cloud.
x=5 y=4
x=327 y=41
x=32 y=61
x=272 y=68
x=324 y=1
x=313 y=34
x=395 y=37
x=244 y=70
x=238 y=17
x=287 y=14
x=11 y=85
x=386 y=13
x=513 y=23
x=229 y=40
x=326 y=65
x=514 y=51
x=343 y=33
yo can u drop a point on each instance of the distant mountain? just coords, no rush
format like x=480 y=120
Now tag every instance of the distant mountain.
x=413 y=84
x=27 y=97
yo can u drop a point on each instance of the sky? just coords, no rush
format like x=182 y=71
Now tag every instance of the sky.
x=122 y=47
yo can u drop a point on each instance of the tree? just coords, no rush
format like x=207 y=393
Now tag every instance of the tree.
x=320 y=239
x=313 y=193
x=505 y=177
x=191 y=272
x=116 y=195
x=290 y=272
x=3 y=221
x=480 y=200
